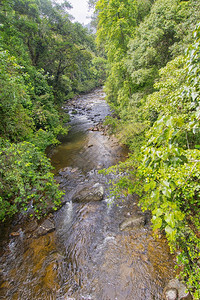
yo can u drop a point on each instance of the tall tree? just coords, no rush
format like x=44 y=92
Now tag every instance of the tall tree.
x=116 y=22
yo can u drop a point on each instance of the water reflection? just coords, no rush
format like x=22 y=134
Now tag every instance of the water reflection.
x=82 y=147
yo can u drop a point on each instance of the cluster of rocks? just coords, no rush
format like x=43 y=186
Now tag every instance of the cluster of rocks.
x=35 y=228
x=24 y=225
x=100 y=127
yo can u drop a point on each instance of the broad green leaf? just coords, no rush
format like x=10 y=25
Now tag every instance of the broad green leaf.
x=157 y=222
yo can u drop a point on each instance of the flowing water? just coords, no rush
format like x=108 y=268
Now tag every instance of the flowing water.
x=87 y=256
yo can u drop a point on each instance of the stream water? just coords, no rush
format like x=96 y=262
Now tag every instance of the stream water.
x=87 y=256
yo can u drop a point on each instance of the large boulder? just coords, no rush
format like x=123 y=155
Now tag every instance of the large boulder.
x=88 y=192
x=176 y=290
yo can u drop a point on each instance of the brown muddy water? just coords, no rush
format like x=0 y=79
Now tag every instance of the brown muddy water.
x=86 y=255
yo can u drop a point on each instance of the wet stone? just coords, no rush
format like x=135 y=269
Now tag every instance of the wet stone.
x=89 y=192
x=181 y=291
x=68 y=172
x=31 y=226
x=132 y=222
x=171 y=294
x=45 y=227
x=15 y=234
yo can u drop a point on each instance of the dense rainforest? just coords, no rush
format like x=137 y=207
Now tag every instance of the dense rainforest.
x=150 y=53
x=45 y=59
x=153 y=85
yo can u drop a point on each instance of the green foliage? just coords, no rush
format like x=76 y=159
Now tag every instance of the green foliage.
x=26 y=103
x=151 y=47
x=42 y=139
x=26 y=181
x=98 y=70
x=112 y=124
x=134 y=63
x=15 y=120
x=40 y=33
x=117 y=20
x=143 y=9
x=44 y=60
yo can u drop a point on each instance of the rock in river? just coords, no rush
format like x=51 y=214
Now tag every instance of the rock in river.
x=175 y=290
x=89 y=192
x=45 y=227
x=133 y=221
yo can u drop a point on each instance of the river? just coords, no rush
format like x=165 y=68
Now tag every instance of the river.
x=86 y=255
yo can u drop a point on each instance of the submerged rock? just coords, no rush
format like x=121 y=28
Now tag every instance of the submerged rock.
x=90 y=145
x=175 y=290
x=133 y=221
x=89 y=192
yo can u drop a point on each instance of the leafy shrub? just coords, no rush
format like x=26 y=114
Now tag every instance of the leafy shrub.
x=15 y=120
x=26 y=183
